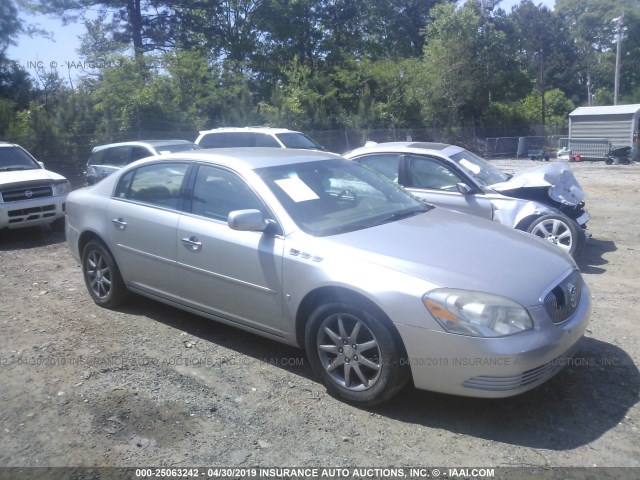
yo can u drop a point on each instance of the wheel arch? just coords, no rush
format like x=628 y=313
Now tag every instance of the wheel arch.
x=330 y=294
x=86 y=237
x=525 y=222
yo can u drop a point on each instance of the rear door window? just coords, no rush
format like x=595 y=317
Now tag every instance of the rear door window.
x=159 y=184
x=212 y=140
x=140 y=152
x=117 y=156
x=97 y=158
x=386 y=164
x=263 y=140
x=239 y=139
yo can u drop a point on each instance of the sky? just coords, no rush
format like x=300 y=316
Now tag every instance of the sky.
x=60 y=53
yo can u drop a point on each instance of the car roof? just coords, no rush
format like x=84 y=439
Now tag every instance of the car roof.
x=407 y=147
x=8 y=144
x=248 y=129
x=143 y=143
x=248 y=157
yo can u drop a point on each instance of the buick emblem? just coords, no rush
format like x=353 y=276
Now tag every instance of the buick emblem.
x=28 y=193
x=573 y=295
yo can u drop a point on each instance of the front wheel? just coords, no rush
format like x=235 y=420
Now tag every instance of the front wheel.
x=355 y=353
x=102 y=276
x=560 y=231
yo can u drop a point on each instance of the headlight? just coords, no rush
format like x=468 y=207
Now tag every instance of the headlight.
x=476 y=313
x=61 y=188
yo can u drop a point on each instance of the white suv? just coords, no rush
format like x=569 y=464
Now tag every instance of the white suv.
x=29 y=194
x=256 y=137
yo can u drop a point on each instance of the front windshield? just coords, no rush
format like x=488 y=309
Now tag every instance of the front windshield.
x=485 y=173
x=298 y=140
x=15 y=158
x=336 y=196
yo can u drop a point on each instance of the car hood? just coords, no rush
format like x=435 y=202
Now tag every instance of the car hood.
x=455 y=250
x=22 y=176
x=563 y=186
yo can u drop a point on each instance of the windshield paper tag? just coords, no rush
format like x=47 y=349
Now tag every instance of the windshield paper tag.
x=472 y=167
x=297 y=189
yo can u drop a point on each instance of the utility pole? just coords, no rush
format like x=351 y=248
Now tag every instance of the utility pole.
x=616 y=87
x=543 y=106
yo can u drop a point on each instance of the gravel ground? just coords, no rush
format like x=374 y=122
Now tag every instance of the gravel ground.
x=149 y=385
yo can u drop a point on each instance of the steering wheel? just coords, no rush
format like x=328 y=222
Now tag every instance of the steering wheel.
x=348 y=195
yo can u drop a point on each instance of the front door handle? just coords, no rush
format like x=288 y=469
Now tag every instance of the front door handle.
x=119 y=223
x=192 y=243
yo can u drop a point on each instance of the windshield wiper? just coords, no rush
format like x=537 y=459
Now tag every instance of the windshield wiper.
x=395 y=216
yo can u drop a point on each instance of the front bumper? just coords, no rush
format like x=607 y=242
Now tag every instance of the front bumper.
x=30 y=213
x=583 y=219
x=494 y=367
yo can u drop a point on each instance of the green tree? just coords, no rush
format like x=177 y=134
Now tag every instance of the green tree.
x=143 y=25
x=544 y=48
x=558 y=107
x=467 y=63
x=591 y=24
x=10 y=25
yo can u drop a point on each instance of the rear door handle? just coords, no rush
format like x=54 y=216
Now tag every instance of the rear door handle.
x=192 y=243
x=119 y=223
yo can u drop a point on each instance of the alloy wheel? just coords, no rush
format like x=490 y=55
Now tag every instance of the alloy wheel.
x=349 y=352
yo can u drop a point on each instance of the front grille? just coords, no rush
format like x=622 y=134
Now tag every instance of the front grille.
x=27 y=193
x=563 y=300
x=30 y=214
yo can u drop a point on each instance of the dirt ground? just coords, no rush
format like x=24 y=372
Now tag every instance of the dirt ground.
x=149 y=385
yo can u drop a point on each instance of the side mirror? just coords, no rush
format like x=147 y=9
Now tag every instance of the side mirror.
x=248 y=221
x=41 y=164
x=463 y=188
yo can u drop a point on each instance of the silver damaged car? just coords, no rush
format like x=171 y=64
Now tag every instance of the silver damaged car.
x=546 y=201
x=312 y=250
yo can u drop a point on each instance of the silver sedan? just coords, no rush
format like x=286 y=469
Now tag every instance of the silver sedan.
x=313 y=250
x=546 y=201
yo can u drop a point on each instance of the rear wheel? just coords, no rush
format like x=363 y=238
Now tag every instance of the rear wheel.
x=102 y=276
x=355 y=353
x=560 y=231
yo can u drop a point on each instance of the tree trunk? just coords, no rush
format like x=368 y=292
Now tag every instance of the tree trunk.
x=135 y=20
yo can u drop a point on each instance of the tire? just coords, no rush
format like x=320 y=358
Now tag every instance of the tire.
x=58 y=225
x=560 y=231
x=102 y=276
x=356 y=354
